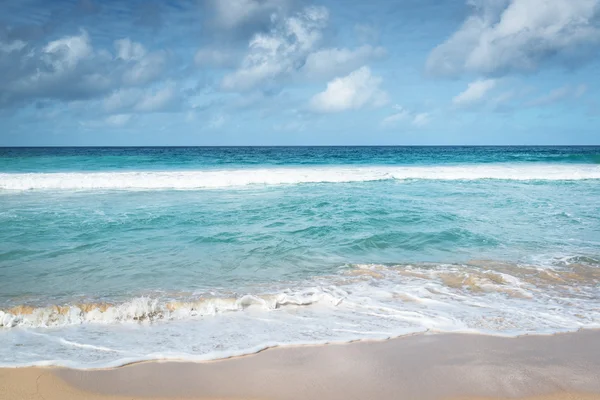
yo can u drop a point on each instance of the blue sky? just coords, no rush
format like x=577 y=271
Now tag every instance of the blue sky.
x=299 y=72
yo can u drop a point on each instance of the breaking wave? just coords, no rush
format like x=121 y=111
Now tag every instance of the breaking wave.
x=365 y=301
x=207 y=179
x=451 y=291
x=147 y=309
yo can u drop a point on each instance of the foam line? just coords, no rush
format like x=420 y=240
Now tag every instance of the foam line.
x=210 y=179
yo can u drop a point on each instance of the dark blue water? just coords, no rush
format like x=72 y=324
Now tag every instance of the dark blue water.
x=141 y=158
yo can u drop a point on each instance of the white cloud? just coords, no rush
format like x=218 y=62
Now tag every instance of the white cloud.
x=141 y=66
x=280 y=51
x=122 y=99
x=128 y=50
x=474 y=93
x=231 y=13
x=421 y=119
x=402 y=114
x=501 y=100
x=291 y=51
x=158 y=100
x=559 y=94
x=118 y=120
x=61 y=69
x=518 y=36
x=354 y=91
x=14 y=45
x=552 y=97
x=65 y=53
x=138 y=100
x=71 y=69
x=327 y=63
x=208 y=57
x=146 y=69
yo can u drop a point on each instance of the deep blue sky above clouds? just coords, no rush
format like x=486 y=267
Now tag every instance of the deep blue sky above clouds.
x=294 y=72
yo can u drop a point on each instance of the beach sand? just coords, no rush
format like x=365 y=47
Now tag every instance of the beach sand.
x=423 y=367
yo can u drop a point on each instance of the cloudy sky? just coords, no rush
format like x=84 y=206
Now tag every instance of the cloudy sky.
x=294 y=72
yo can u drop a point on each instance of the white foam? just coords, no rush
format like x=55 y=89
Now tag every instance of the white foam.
x=145 y=309
x=87 y=346
x=360 y=302
x=210 y=179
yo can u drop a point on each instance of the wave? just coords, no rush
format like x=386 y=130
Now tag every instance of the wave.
x=364 y=301
x=146 y=309
x=386 y=287
x=207 y=179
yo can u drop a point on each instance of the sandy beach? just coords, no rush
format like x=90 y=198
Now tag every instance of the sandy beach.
x=444 y=366
x=299 y=199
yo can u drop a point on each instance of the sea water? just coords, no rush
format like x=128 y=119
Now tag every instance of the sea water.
x=115 y=255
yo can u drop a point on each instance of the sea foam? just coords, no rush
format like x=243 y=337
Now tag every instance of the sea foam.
x=365 y=301
x=146 y=309
x=367 y=287
x=208 y=179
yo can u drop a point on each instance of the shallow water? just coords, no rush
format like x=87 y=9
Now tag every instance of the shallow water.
x=114 y=255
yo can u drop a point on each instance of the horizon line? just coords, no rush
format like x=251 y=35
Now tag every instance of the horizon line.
x=298 y=146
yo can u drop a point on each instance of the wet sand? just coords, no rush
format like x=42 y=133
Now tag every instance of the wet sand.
x=423 y=367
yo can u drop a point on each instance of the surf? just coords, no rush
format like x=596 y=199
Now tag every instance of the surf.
x=235 y=178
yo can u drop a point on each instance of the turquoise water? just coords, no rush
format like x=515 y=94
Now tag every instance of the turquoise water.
x=109 y=255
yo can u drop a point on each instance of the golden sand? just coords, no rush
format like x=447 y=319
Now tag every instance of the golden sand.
x=43 y=384
x=423 y=367
x=557 y=396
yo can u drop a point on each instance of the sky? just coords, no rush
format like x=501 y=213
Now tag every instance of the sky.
x=299 y=72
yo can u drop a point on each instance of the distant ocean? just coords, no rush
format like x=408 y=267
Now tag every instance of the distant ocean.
x=115 y=255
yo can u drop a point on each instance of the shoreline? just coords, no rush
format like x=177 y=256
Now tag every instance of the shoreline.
x=261 y=349
x=423 y=366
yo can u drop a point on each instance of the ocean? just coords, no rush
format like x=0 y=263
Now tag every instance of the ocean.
x=114 y=255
